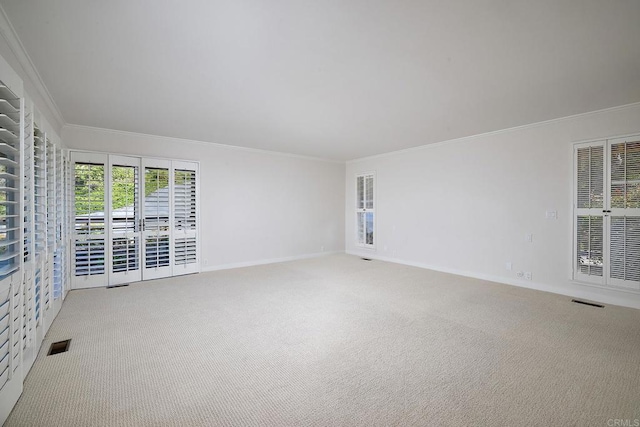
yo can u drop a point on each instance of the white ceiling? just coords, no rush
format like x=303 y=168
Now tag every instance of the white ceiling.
x=338 y=79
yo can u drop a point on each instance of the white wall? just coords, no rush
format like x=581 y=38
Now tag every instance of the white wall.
x=255 y=206
x=464 y=206
x=47 y=119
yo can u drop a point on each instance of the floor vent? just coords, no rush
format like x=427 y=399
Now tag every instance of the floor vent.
x=59 y=347
x=366 y=259
x=577 y=301
x=117 y=286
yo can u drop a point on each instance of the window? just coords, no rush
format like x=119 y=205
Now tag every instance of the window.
x=607 y=212
x=365 y=212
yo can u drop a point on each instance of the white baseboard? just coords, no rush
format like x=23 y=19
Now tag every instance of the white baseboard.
x=605 y=296
x=267 y=261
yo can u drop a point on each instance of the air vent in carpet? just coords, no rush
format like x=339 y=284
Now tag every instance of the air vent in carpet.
x=366 y=259
x=59 y=347
x=117 y=286
x=577 y=301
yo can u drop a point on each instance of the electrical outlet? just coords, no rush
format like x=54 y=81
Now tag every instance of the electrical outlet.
x=551 y=215
x=527 y=275
x=520 y=274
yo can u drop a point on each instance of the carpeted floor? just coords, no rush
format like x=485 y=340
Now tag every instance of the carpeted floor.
x=333 y=341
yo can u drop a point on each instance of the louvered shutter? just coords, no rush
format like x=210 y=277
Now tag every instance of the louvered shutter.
x=156 y=218
x=125 y=220
x=11 y=254
x=90 y=232
x=59 y=212
x=365 y=212
x=624 y=234
x=29 y=297
x=9 y=182
x=589 y=221
x=185 y=226
x=11 y=238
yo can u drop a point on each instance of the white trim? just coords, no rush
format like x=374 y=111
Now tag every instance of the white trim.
x=621 y=299
x=9 y=34
x=495 y=132
x=268 y=261
x=194 y=141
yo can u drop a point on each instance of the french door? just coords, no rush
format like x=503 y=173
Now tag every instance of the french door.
x=607 y=213
x=135 y=219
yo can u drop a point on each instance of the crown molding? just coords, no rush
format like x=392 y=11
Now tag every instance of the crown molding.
x=9 y=34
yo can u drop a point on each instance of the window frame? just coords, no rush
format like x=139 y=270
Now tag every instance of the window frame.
x=605 y=282
x=364 y=209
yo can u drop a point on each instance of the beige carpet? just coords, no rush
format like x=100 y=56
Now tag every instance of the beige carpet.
x=333 y=341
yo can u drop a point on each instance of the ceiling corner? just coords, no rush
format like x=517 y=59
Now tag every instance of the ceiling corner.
x=9 y=34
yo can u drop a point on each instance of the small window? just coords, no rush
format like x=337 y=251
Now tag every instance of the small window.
x=365 y=212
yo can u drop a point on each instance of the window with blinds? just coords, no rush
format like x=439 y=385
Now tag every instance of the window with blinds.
x=625 y=211
x=607 y=212
x=590 y=204
x=365 y=213
x=9 y=182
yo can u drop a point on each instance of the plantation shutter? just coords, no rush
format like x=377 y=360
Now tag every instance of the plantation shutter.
x=59 y=248
x=625 y=213
x=40 y=215
x=125 y=220
x=90 y=232
x=589 y=208
x=365 y=212
x=9 y=182
x=28 y=323
x=11 y=242
x=185 y=246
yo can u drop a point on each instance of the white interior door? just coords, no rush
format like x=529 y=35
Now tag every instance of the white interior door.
x=186 y=257
x=90 y=234
x=124 y=220
x=156 y=219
